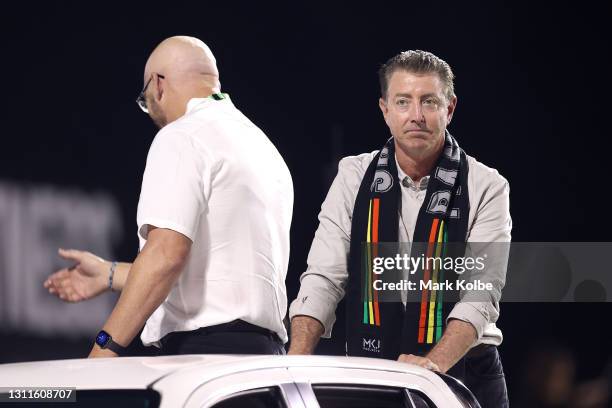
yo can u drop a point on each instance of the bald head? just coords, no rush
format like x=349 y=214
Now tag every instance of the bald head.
x=181 y=68
x=184 y=60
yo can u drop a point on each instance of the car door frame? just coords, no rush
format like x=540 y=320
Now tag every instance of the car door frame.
x=218 y=389
x=432 y=386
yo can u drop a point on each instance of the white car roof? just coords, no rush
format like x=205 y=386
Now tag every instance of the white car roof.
x=99 y=373
x=141 y=372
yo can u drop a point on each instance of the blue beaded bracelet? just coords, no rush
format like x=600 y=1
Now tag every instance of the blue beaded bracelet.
x=110 y=277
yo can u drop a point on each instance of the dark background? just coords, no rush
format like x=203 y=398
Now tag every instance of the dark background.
x=532 y=82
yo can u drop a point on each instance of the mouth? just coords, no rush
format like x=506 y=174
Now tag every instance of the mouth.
x=417 y=131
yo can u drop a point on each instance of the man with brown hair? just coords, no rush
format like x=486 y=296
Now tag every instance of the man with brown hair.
x=420 y=185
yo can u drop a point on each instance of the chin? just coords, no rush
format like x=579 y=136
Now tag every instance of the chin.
x=414 y=144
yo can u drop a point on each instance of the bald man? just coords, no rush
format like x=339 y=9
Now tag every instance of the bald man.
x=213 y=223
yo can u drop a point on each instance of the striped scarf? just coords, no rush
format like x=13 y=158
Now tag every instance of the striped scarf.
x=385 y=329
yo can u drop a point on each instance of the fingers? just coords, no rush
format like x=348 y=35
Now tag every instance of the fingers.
x=59 y=284
x=53 y=281
x=430 y=365
x=420 y=361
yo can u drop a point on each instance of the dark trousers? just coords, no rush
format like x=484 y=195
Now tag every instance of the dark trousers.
x=237 y=337
x=482 y=372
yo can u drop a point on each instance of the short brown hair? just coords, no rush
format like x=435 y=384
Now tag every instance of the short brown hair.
x=418 y=62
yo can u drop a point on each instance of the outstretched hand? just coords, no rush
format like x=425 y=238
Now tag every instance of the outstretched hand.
x=85 y=280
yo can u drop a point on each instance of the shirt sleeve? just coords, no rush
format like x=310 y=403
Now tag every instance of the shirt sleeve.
x=323 y=284
x=492 y=224
x=174 y=185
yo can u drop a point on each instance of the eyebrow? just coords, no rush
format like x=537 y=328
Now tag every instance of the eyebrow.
x=427 y=95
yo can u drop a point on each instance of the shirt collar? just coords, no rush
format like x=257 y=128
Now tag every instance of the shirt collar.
x=199 y=102
x=407 y=180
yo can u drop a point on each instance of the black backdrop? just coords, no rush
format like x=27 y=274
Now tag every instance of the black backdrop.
x=532 y=82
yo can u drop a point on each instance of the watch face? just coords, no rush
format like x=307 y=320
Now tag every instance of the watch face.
x=102 y=339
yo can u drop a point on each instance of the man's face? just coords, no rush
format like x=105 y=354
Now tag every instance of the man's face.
x=417 y=111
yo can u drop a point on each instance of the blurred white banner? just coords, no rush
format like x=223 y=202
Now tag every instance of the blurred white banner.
x=34 y=222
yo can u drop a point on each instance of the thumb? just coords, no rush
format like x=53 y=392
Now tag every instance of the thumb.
x=70 y=254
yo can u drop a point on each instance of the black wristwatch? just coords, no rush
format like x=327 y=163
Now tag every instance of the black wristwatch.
x=105 y=341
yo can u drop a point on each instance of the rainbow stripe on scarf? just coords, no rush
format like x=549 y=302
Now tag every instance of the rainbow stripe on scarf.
x=371 y=310
x=431 y=320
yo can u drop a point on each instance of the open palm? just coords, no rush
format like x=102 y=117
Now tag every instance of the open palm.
x=86 y=279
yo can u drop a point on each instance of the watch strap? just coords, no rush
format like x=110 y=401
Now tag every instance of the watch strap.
x=120 y=350
x=105 y=341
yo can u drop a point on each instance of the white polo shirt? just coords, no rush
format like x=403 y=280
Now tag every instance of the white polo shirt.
x=215 y=177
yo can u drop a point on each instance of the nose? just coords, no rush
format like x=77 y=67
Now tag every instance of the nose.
x=415 y=113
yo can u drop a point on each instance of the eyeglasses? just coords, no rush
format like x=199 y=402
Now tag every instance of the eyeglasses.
x=141 y=100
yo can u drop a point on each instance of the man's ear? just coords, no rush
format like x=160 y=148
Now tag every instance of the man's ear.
x=382 y=104
x=159 y=87
x=450 y=110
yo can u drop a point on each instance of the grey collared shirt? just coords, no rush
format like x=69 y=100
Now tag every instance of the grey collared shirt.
x=324 y=282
